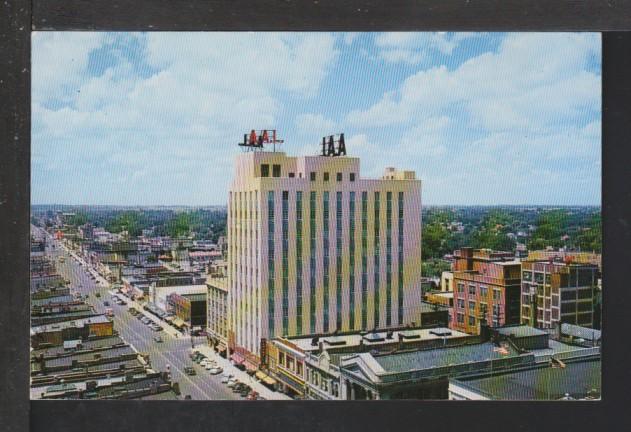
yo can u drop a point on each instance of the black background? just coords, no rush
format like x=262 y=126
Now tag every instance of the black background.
x=17 y=18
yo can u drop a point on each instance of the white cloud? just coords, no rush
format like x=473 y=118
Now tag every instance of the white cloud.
x=314 y=124
x=534 y=80
x=179 y=119
x=59 y=61
x=413 y=48
x=350 y=37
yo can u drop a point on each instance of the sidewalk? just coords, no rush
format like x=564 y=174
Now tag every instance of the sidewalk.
x=139 y=307
x=242 y=376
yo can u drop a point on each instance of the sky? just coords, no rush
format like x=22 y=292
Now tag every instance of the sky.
x=154 y=118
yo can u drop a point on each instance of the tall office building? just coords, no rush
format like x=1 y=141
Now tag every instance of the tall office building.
x=313 y=248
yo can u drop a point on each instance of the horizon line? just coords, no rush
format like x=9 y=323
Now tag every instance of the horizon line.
x=225 y=205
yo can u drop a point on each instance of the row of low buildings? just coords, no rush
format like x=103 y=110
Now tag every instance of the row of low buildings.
x=75 y=351
x=434 y=363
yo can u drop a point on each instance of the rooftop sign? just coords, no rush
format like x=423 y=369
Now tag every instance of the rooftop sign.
x=256 y=139
x=332 y=146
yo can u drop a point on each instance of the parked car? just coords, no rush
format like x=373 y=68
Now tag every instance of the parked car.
x=216 y=370
x=231 y=382
x=106 y=303
x=252 y=395
x=158 y=339
x=98 y=295
x=190 y=371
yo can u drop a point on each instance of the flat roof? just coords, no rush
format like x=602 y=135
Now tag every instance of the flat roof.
x=103 y=355
x=53 y=300
x=376 y=338
x=580 y=332
x=520 y=331
x=442 y=357
x=85 y=346
x=98 y=319
x=540 y=383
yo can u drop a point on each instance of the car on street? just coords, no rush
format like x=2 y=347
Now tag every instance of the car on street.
x=190 y=371
x=210 y=365
x=216 y=370
x=98 y=295
x=232 y=382
x=106 y=303
x=158 y=339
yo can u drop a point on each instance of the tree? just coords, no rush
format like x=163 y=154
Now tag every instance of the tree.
x=493 y=232
x=551 y=226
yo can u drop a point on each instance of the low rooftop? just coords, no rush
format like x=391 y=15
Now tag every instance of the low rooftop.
x=376 y=338
x=578 y=380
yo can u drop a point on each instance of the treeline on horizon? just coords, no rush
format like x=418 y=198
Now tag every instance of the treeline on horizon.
x=576 y=228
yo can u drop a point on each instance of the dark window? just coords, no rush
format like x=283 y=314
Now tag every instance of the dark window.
x=339 y=177
x=300 y=175
x=326 y=176
x=352 y=176
x=312 y=176
x=292 y=175
x=264 y=170
x=276 y=171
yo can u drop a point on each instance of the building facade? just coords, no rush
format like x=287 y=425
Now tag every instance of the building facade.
x=315 y=248
x=217 y=327
x=558 y=292
x=487 y=286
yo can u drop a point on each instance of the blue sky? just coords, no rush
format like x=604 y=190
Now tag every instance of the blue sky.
x=154 y=118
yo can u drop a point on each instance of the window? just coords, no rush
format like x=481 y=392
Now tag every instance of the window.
x=471 y=320
x=339 y=177
x=292 y=175
x=264 y=170
x=281 y=358
x=460 y=304
x=483 y=292
x=352 y=176
x=290 y=363
x=276 y=170
x=460 y=287
x=471 y=290
x=312 y=176
x=471 y=306
x=326 y=176
x=527 y=276
x=460 y=318
x=299 y=175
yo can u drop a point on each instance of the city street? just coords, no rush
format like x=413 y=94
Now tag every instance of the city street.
x=172 y=352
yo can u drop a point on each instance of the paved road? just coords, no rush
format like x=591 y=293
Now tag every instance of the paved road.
x=172 y=352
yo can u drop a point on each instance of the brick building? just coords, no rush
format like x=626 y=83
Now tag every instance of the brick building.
x=487 y=285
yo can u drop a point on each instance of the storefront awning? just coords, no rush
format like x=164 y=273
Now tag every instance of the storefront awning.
x=237 y=358
x=178 y=322
x=265 y=378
